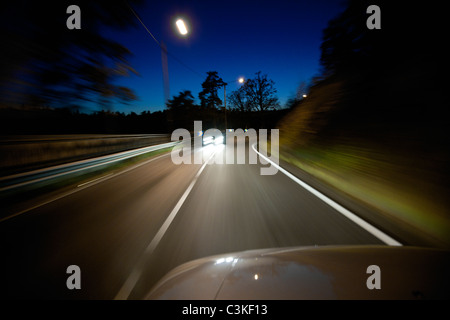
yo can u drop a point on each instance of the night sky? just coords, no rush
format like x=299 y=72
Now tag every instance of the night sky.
x=235 y=38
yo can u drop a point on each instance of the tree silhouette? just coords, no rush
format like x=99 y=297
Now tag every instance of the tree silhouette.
x=238 y=100
x=183 y=110
x=182 y=103
x=209 y=95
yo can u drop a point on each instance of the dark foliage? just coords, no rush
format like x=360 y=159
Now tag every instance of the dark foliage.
x=387 y=85
x=42 y=62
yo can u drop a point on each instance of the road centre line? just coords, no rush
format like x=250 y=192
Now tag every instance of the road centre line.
x=350 y=215
x=133 y=278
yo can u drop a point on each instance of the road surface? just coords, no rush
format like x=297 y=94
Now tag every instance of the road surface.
x=126 y=231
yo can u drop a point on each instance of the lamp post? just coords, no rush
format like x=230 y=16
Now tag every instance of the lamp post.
x=241 y=80
x=182 y=29
x=165 y=71
x=225 y=104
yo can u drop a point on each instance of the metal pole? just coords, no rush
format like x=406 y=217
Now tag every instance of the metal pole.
x=225 y=103
x=165 y=70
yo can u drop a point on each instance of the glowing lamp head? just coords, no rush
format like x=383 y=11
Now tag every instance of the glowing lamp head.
x=181 y=27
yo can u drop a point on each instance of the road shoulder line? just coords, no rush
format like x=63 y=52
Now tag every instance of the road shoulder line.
x=347 y=213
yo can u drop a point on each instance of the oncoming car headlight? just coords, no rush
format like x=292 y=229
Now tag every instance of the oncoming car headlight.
x=218 y=140
x=208 y=140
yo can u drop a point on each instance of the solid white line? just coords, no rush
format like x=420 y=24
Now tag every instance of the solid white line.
x=360 y=222
x=133 y=278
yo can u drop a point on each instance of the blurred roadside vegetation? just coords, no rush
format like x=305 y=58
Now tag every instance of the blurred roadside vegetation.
x=375 y=123
x=43 y=63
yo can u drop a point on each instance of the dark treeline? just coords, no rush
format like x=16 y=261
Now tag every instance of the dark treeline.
x=67 y=121
x=257 y=108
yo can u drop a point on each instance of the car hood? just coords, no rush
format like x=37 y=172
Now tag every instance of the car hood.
x=329 y=272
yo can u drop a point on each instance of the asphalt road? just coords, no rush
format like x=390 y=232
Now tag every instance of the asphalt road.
x=127 y=231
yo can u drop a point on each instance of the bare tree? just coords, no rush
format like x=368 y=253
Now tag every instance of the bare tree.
x=238 y=100
x=260 y=93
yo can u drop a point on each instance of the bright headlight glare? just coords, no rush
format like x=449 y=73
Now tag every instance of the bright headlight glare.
x=208 y=140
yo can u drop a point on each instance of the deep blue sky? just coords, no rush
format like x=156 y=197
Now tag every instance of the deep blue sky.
x=235 y=38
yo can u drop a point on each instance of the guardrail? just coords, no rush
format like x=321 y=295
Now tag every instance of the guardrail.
x=25 y=153
x=40 y=175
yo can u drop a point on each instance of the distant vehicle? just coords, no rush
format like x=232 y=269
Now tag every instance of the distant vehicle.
x=328 y=272
x=213 y=139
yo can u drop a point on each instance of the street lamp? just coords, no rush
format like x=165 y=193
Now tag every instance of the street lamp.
x=182 y=29
x=241 y=80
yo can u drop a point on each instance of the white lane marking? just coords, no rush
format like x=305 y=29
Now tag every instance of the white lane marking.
x=79 y=188
x=133 y=278
x=91 y=181
x=360 y=222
